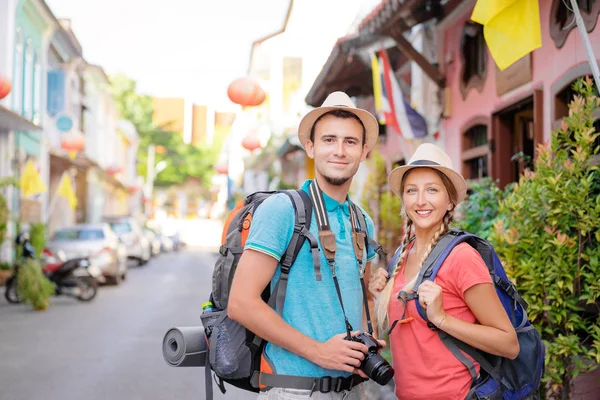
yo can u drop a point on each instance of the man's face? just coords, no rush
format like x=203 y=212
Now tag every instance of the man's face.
x=337 y=149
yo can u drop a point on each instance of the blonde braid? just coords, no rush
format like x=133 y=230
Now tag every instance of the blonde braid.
x=383 y=300
x=444 y=228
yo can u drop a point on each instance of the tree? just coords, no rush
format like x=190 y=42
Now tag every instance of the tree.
x=183 y=160
x=548 y=234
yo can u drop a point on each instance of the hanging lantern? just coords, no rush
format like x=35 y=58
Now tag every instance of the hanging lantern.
x=73 y=143
x=5 y=86
x=246 y=92
x=251 y=143
x=222 y=169
x=133 y=189
x=114 y=170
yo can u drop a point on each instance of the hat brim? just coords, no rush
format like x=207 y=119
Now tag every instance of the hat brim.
x=395 y=179
x=368 y=120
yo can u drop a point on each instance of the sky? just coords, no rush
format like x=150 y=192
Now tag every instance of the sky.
x=193 y=48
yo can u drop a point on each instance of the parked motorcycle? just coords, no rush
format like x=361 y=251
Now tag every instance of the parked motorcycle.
x=75 y=277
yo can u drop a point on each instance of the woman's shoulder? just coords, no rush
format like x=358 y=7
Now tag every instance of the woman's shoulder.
x=464 y=255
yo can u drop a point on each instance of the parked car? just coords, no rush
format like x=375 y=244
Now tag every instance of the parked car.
x=166 y=244
x=97 y=242
x=154 y=241
x=131 y=233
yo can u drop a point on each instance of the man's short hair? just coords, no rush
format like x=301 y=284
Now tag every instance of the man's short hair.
x=339 y=114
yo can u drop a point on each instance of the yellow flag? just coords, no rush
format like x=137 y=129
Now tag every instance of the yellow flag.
x=377 y=96
x=511 y=28
x=65 y=189
x=30 y=182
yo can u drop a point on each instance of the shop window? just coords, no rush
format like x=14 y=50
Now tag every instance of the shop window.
x=563 y=99
x=475 y=152
x=562 y=19
x=474 y=56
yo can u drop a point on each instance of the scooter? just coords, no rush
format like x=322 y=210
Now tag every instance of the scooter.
x=75 y=277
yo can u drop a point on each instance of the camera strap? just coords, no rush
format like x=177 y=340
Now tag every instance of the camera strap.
x=329 y=246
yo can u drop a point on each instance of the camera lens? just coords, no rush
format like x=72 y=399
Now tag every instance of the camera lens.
x=377 y=368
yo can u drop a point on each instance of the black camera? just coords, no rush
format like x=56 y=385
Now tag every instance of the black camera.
x=374 y=365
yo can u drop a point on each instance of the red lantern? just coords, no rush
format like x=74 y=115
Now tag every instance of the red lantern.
x=114 y=170
x=133 y=189
x=251 y=143
x=73 y=142
x=5 y=86
x=222 y=169
x=246 y=92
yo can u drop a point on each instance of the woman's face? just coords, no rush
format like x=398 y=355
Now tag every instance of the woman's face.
x=425 y=198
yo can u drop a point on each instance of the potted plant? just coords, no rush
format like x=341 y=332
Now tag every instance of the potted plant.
x=33 y=287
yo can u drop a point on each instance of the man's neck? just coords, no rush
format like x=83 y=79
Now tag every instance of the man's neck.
x=338 y=193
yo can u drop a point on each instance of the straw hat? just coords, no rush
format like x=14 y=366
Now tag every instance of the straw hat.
x=340 y=101
x=429 y=156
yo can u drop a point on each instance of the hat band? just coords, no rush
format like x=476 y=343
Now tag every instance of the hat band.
x=424 y=162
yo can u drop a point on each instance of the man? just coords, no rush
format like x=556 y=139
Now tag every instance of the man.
x=308 y=339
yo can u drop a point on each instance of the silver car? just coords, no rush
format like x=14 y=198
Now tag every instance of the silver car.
x=130 y=232
x=96 y=241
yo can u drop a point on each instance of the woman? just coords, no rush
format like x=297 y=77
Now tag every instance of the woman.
x=462 y=301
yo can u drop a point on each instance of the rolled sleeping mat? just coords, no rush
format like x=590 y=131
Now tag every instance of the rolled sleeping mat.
x=185 y=347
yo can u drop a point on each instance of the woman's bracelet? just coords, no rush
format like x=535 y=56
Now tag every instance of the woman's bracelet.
x=442 y=321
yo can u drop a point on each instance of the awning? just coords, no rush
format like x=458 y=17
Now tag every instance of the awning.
x=11 y=121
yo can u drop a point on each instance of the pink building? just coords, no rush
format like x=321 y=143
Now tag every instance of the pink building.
x=489 y=121
x=493 y=115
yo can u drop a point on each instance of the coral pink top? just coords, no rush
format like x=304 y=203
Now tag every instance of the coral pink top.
x=425 y=368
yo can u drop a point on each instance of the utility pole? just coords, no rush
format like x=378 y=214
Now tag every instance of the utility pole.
x=586 y=41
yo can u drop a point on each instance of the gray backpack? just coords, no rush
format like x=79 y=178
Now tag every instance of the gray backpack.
x=234 y=351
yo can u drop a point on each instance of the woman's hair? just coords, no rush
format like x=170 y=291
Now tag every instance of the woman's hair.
x=383 y=300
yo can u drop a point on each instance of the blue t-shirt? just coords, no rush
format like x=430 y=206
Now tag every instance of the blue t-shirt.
x=311 y=306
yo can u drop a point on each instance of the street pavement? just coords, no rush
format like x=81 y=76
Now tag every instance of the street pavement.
x=111 y=347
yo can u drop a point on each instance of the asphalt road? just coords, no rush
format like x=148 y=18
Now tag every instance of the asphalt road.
x=110 y=348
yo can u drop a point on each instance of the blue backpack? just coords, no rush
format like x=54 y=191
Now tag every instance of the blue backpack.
x=500 y=378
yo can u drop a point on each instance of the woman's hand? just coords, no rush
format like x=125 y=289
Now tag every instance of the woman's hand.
x=430 y=298
x=378 y=281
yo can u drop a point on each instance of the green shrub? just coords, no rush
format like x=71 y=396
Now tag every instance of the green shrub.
x=33 y=287
x=480 y=209
x=548 y=233
x=37 y=236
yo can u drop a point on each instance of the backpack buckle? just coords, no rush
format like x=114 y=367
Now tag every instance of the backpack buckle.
x=223 y=251
x=325 y=384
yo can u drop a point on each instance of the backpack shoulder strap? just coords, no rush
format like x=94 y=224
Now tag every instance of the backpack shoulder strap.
x=303 y=214
x=369 y=241
x=436 y=258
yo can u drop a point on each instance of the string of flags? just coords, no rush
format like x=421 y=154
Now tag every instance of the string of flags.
x=390 y=105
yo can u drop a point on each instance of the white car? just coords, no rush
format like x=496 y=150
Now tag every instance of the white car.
x=130 y=232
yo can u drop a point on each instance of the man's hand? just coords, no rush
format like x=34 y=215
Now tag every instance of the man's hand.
x=340 y=354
